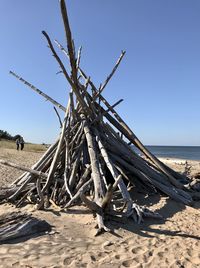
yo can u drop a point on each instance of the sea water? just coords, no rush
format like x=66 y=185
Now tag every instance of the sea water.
x=181 y=152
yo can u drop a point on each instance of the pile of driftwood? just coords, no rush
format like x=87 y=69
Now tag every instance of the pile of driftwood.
x=93 y=161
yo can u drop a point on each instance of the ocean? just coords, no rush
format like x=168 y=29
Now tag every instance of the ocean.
x=181 y=152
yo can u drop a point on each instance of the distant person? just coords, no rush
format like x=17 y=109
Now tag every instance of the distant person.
x=21 y=141
x=18 y=143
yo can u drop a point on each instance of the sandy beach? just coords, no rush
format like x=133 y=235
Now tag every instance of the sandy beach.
x=171 y=242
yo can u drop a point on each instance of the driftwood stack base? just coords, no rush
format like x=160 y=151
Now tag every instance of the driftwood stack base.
x=93 y=161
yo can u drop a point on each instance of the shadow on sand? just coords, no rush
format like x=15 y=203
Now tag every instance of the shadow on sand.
x=168 y=210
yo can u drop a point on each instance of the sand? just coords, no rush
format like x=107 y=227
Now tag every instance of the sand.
x=171 y=242
x=7 y=174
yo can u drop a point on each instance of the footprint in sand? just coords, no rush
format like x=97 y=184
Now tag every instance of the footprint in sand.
x=117 y=257
x=161 y=254
x=93 y=258
x=137 y=250
x=101 y=255
x=68 y=260
x=127 y=263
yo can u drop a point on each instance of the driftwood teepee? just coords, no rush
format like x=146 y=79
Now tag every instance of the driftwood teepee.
x=93 y=161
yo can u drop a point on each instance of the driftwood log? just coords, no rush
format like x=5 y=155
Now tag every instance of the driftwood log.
x=20 y=225
x=93 y=162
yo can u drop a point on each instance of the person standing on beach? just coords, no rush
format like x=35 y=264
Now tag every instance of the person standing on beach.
x=21 y=141
x=17 y=143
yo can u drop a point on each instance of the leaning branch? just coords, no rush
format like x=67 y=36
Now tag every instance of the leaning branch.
x=38 y=91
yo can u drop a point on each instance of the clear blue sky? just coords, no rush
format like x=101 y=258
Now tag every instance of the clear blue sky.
x=159 y=78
